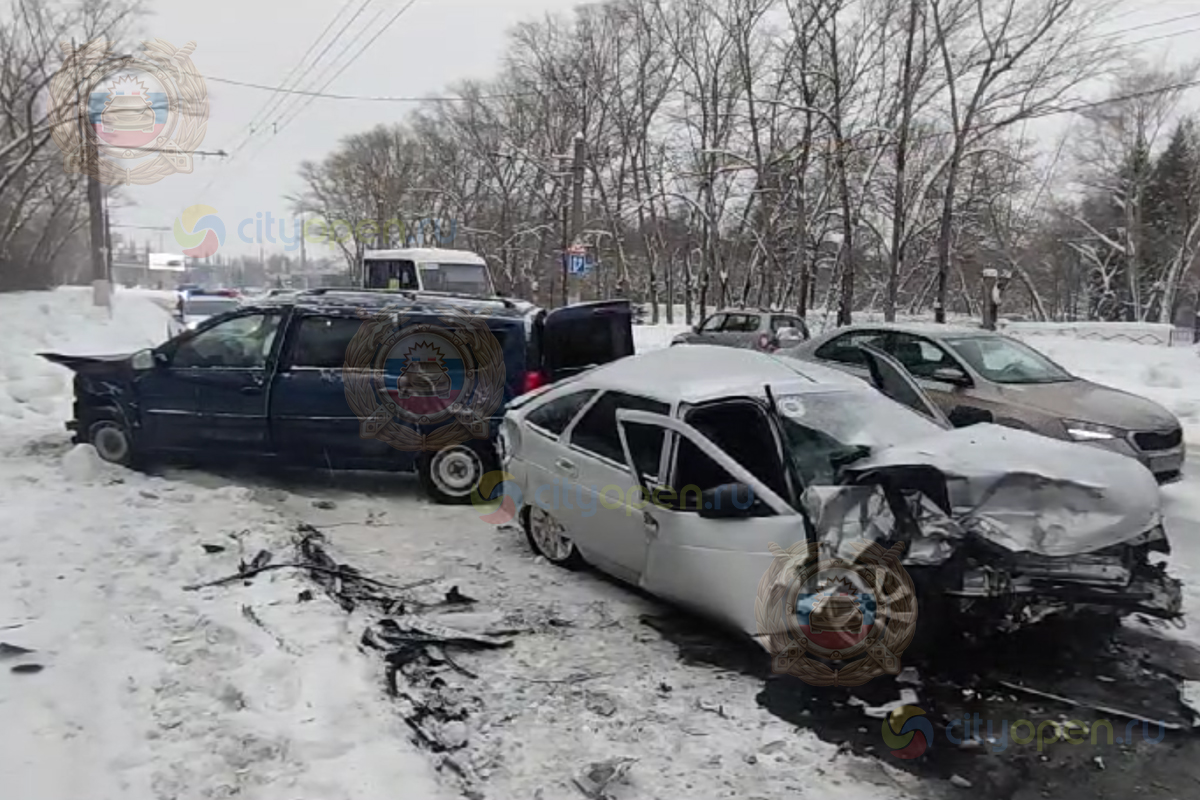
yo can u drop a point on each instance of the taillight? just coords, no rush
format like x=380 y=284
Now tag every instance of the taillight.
x=532 y=380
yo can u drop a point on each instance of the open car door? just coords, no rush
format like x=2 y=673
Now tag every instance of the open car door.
x=709 y=525
x=585 y=335
x=891 y=378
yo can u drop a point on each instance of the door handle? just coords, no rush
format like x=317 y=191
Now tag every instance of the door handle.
x=251 y=390
x=565 y=466
x=651 y=524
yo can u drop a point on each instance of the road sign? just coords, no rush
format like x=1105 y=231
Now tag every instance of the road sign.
x=578 y=260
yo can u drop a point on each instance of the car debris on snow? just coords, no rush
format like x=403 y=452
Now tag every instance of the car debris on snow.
x=594 y=780
x=12 y=651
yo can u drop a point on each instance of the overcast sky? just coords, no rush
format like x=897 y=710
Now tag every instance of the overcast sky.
x=434 y=44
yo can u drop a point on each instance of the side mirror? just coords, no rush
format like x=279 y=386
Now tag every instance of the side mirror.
x=966 y=416
x=951 y=375
x=731 y=501
x=143 y=360
x=161 y=359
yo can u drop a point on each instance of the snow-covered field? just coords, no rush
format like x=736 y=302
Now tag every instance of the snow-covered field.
x=149 y=691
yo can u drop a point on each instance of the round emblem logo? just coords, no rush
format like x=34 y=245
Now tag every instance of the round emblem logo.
x=402 y=379
x=142 y=116
x=833 y=621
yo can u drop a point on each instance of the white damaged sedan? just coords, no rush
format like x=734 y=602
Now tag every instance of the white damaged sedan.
x=678 y=470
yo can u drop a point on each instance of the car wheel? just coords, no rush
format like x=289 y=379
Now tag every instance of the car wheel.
x=449 y=476
x=548 y=538
x=112 y=441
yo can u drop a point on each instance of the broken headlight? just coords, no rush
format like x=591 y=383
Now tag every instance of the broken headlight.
x=1090 y=431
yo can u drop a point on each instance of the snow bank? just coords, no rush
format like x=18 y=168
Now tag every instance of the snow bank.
x=146 y=690
x=34 y=391
x=655 y=337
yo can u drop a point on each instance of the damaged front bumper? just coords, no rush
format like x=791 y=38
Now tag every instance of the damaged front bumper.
x=966 y=565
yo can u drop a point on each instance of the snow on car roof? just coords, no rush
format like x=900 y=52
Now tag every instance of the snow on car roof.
x=695 y=373
x=427 y=254
x=933 y=330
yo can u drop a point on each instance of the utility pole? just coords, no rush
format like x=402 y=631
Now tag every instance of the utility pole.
x=576 y=208
x=100 y=286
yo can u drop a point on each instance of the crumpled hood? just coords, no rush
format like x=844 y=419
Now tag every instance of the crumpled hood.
x=1030 y=493
x=88 y=363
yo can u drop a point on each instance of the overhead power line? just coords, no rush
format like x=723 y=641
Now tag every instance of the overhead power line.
x=283 y=122
x=369 y=98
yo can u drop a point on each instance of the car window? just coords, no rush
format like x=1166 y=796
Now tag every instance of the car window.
x=323 y=341
x=778 y=323
x=742 y=431
x=713 y=323
x=695 y=473
x=238 y=343
x=920 y=356
x=596 y=432
x=1005 y=360
x=741 y=323
x=844 y=349
x=555 y=416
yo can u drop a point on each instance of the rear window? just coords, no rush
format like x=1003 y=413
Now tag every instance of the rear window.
x=555 y=416
x=597 y=432
x=322 y=341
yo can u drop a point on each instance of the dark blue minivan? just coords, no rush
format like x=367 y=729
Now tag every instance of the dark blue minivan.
x=342 y=379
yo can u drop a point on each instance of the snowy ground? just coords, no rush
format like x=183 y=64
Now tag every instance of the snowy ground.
x=147 y=690
x=150 y=691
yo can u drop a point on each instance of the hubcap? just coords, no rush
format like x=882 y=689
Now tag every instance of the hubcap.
x=549 y=534
x=111 y=443
x=456 y=471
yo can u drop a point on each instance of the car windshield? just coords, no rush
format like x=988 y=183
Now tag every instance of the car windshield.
x=826 y=431
x=198 y=307
x=471 y=279
x=1004 y=360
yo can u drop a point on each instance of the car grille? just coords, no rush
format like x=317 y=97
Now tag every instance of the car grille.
x=1158 y=440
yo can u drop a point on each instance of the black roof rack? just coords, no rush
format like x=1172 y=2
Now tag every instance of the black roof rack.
x=411 y=294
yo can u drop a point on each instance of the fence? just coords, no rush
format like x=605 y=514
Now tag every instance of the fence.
x=1147 y=333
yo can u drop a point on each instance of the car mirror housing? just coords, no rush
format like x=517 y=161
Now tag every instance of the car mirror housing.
x=951 y=375
x=966 y=416
x=143 y=360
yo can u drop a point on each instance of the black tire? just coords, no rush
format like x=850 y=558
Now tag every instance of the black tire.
x=566 y=555
x=449 y=476
x=113 y=441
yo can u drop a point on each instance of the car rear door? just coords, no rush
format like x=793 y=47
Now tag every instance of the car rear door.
x=711 y=565
x=585 y=335
x=604 y=506
x=311 y=421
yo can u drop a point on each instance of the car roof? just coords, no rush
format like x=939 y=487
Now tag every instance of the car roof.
x=933 y=330
x=435 y=254
x=697 y=373
x=750 y=311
